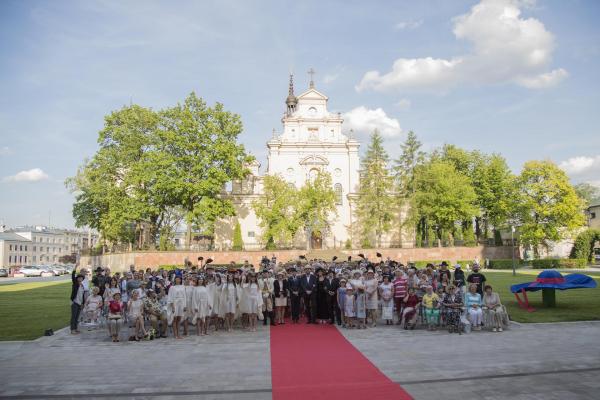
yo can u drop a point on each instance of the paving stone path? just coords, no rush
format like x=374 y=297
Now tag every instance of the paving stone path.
x=533 y=361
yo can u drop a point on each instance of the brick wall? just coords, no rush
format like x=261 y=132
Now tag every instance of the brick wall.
x=121 y=261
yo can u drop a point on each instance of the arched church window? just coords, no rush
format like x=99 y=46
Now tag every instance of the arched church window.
x=312 y=174
x=338 y=194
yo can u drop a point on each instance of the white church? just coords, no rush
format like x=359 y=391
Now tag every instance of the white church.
x=312 y=139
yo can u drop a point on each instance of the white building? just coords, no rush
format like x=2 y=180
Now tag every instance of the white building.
x=312 y=140
x=47 y=245
x=14 y=249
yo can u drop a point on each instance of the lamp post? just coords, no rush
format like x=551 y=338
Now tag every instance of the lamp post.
x=512 y=242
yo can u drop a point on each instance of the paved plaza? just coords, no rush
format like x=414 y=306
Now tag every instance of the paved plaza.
x=534 y=361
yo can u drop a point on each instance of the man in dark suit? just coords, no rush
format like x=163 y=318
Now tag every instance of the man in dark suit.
x=308 y=282
x=295 y=289
x=77 y=299
x=332 y=284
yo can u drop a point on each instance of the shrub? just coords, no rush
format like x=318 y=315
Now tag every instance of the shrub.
x=584 y=244
x=170 y=267
x=505 y=264
x=238 y=244
x=270 y=244
x=469 y=237
x=573 y=263
x=348 y=244
x=556 y=263
x=497 y=238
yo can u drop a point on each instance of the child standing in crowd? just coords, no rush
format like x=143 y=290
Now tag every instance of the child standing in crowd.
x=229 y=301
x=350 y=306
x=115 y=314
x=177 y=305
x=135 y=308
x=189 y=313
x=201 y=305
x=386 y=290
x=361 y=308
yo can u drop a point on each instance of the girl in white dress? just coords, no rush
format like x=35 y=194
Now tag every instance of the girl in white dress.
x=201 y=305
x=214 y=291
x=350 y=306
x=135 y=309
x=176 y=304
x=253 y=300
x=386 y=290
x=189 y=312
x=244 y=308
x=228 y=301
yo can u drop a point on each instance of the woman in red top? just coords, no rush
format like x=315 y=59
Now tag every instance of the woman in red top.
x=115 y=313
x=409 y=313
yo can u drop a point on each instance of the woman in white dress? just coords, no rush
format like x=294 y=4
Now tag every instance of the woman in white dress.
x=244 y=308
x=135 y=308
x=253 y=301
x=201 y=305
x=371 y=285
x=176 y=302
x=228 y=301
x=189 y=312
x=386 y=290
x=214 y=291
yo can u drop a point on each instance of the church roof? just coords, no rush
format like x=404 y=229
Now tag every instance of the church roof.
x=312 y=93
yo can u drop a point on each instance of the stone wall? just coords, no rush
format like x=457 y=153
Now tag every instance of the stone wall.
x=121 y=261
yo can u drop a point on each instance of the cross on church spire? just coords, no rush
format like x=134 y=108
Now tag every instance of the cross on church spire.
x=311 y=72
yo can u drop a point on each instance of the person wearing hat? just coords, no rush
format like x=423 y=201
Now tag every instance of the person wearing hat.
x=266 y=286
x=444 y=271
x=459 y=277
x=308 y=284
x=280 y=291
x=332 y=284
x=77 y=298
x=99 y=280
x=295 y=290
x=477 y=278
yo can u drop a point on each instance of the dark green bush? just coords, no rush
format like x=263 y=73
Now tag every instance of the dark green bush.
x=584 y=244
x=504 y=264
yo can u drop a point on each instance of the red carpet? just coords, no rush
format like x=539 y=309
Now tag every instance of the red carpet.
x=313 y=362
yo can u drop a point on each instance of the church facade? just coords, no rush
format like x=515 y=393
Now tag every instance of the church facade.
x=312 y=140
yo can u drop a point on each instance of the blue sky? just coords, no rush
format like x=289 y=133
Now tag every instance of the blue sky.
x=521 y=77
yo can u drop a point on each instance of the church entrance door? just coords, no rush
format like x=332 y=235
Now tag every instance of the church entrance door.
x=316 y=241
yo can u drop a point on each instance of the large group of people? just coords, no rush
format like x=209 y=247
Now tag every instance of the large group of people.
x=156 y=303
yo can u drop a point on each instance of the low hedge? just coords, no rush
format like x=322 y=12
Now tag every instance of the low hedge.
x=557 y=263
x=504 y=264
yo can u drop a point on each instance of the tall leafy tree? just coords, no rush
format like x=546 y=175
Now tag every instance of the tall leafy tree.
x=444 y=196
x=549 y=207
x=276 y=210
x=316 y=203
x=375 y=206
x=410 y=158
x=199 y=153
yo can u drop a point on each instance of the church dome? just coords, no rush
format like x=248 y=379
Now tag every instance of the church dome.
x=291 y=100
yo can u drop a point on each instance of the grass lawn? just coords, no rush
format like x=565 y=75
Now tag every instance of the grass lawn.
x=571 y=305
x=27 y=309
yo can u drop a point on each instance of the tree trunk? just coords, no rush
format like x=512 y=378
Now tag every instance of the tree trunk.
x=189 y=235
x=478 y=228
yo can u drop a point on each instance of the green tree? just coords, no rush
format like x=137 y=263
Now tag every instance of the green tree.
x=588 y=192
x=548 y=208
x=410 y=158
x=238 y=243
x=276 y=210
x=375 y=206
x=112 y=194
x=444 y=196
x=198 y=152
x=316 y=203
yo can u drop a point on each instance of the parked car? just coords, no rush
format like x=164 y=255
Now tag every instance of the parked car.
x=46 y=270
x=57 y=270
x=31 y=270
x=3 y=273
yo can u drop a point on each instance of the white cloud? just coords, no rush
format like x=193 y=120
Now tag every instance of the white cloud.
x=580 y=165
x=31 y=175
x=364 y=120
x=506 y=48
x=330 y=78
x=408 y=25
x=403 y=104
